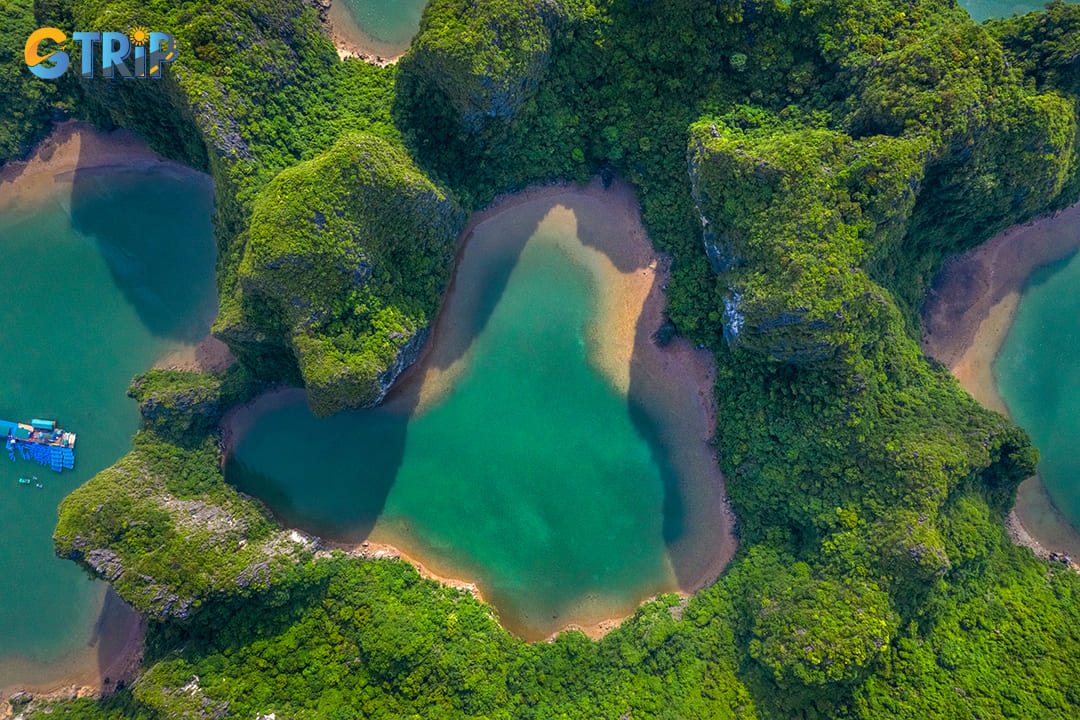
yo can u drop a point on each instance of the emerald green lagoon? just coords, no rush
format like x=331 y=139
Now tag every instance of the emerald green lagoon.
x=378 y=27
x=103 y=272
x=516 y=454
x=1038 y=375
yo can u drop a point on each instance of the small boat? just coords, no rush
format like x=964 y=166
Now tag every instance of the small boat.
x=40 y=485
x=24 y=481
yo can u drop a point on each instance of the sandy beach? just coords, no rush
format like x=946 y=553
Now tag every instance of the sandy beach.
x=111 y=657
x=209 y=356
x=677 y=378
x=73 y=145
x=352 y=42
x=966 y=318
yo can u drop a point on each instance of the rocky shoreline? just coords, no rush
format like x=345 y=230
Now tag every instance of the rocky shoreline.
x=1021 y=536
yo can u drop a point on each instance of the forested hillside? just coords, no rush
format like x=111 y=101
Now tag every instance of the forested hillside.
x=809 y=165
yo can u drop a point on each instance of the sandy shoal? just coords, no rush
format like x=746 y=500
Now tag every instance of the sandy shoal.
x=967 y=316
x=678 y=378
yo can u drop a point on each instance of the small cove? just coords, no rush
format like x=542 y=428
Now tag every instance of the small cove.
x=543 y=448
x=375 y=28
x=108 y=264
x=1002 y=318
x=981 y=10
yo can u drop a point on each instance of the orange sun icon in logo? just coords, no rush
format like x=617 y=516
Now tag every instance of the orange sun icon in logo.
x=139 y=35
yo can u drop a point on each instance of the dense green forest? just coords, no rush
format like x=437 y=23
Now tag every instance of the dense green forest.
x=808 y=164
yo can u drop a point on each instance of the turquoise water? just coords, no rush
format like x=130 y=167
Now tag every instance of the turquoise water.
x=980 y=10
x=520 y=466
x=384 y=27
x=1038 y=375
x=99 y=279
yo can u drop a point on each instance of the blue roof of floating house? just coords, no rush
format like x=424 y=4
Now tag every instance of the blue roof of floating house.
x=43 y=424
x=22 y=433
x=6 y=427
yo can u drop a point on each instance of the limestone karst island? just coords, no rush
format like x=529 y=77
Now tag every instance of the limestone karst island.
x=540 y=359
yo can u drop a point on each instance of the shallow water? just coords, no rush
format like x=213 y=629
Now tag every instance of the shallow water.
x=980 y=10
x=512 y=456
x=101 y=276
x=380 y=27
x=1038 y=376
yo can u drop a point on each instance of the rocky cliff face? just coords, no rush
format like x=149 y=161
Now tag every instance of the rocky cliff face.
x=180 y=406
x=345 y=262
x=480 y=60
x=787 y=240
x=167 y=532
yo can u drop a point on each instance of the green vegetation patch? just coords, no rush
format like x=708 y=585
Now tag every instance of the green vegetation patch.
x=789 y=218
x=162 y=526
x=477 y=61
x=184 y=407
x=352 y=250
x=26 y=100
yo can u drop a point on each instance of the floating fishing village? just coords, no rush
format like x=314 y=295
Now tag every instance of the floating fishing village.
x=41 y=441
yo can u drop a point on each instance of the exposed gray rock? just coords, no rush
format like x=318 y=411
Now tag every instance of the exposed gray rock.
x=406 y=356
x=18 y=699
x=220 y=127
x=105 y=563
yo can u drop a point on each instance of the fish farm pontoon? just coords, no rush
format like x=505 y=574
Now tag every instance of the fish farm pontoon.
x=42 y=442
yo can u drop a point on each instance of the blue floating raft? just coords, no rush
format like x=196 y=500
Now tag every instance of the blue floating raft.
x=61 y=458
x=41 y=442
